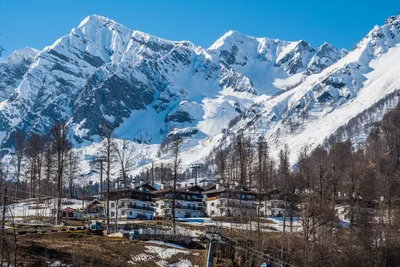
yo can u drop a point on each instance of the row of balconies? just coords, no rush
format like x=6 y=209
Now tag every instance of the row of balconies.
x=179 y=198
x=235 y=205
x=181 y=207
x=129 y=206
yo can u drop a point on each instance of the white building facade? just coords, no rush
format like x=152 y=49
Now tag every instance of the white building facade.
x=221 y=201
x=188 y=203
x=132 y=203
x=272 y=207
x=129 y=208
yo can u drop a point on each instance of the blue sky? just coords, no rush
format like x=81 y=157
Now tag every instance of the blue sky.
x=343 y=23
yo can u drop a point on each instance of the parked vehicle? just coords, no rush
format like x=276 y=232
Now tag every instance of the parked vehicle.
x=134 y=234
x=96 y=228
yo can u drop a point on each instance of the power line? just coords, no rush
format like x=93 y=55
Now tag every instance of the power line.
x=259 y=252
x=23 y=191
x=254 y=254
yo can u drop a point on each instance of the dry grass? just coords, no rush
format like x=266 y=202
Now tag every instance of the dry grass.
x=82 y=249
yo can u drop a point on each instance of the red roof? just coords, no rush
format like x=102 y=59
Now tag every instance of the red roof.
x=68 y=209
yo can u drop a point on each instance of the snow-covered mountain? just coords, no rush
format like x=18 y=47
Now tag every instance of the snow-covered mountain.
x=265 y=61
x=351 y=93
x=13 y=70
x=145 y=85
x=150 y=88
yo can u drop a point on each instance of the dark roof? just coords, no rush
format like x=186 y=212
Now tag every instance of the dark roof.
x=166 y=189
x=233 y=190
x=146 y=185
x=194 y=188
x=209 y=187
x=120 y=190
x=180 y=190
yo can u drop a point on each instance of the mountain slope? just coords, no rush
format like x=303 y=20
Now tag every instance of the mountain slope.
x=13 y=70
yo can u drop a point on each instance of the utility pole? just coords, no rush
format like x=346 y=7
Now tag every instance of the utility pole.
x=101 y=159
x=119 y=181
x=195 y=167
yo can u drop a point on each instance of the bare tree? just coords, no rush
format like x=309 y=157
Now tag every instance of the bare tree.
x=48 y=168
x=176 y=146
x=240 y=151
x=125 y=154
x=221 y=157
x=19 y=155
x=73 y=169
x=107 y=151
x=35 y=154
x=284 y=176
x=61 y=146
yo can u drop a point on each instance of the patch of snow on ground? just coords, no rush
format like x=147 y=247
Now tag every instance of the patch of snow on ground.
x=165 y=253
x=166 y=244
x=140 y=257
x=183 y=263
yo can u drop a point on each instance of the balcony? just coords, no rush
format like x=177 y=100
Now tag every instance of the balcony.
x=181 y=207
x=178 y=197
x=189 y=208
x=128 y=206
x=236 y=205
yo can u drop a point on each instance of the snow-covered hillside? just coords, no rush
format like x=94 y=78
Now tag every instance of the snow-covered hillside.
x=149 y=88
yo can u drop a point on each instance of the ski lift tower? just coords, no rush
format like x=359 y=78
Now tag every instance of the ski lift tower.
x=195 y=167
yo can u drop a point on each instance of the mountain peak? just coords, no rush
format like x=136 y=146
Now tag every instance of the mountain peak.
x=95 y=19
x=24 y=54
x=391 y=19
x=91 y=24
x=229 y=37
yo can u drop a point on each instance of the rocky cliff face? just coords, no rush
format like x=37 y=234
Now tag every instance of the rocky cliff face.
x=13 y=70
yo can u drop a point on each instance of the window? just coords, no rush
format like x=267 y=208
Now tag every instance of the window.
x=130 y=213
x=112 y=205
x=112 y=214
x=122 y=212
x=212 y=204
